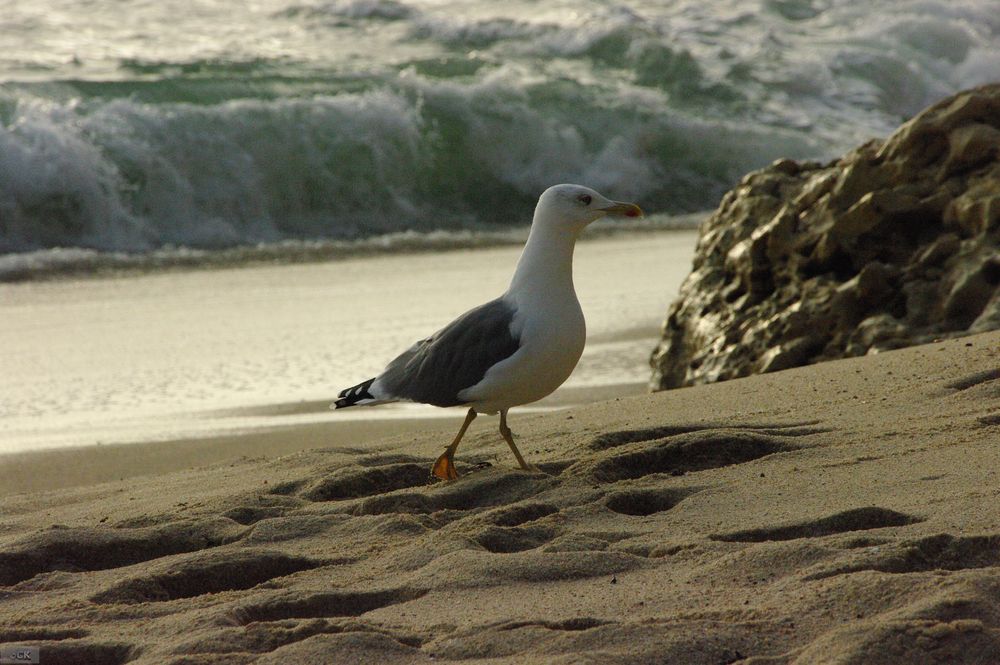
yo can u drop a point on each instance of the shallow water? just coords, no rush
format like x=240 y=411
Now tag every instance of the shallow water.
x=178 y=354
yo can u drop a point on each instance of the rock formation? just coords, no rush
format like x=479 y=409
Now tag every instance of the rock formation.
x=896 y=243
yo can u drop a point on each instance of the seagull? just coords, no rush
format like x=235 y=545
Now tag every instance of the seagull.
x=509 y=351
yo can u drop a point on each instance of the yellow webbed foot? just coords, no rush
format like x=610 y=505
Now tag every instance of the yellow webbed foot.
x=444 y=468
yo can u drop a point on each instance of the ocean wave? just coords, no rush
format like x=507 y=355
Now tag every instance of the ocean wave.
x=386 y=10
x=121 y=175
x=462 y=33
x=241 y=129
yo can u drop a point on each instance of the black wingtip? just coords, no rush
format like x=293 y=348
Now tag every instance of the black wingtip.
x=354 y=394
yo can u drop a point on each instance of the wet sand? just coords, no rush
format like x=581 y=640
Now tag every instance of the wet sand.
x=180 y=355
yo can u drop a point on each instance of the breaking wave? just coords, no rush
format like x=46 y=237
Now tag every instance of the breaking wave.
x=387 y=119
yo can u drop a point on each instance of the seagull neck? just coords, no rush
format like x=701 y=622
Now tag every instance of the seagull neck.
x=546 y=264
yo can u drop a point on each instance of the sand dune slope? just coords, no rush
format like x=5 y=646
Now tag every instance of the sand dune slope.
x=840 y=513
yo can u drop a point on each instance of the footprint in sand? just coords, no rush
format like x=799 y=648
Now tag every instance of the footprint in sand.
x=353 y=482
x=677 y=454
x=858 y=519
x=204 y=573
x=101 y=548
x=645 y=502
x=622 y=437
x=473 y=491
x=938 y=552
x=973 y=380
x=341 y=603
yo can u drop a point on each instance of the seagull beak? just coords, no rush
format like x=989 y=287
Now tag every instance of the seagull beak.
x=624 y=209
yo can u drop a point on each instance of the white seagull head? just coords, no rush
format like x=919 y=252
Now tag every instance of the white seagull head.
x=572 y=207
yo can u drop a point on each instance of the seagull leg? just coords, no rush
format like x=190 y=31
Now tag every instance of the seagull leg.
x=508 y=436
x=444 y=467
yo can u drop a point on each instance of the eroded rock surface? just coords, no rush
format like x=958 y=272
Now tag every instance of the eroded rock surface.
x=896 y=243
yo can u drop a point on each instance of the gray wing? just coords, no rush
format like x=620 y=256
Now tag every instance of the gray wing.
x=436 y=369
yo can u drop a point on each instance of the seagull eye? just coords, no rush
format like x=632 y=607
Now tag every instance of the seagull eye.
x=585 y=199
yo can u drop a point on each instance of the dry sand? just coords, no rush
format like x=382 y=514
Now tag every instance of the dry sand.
x=840 y=513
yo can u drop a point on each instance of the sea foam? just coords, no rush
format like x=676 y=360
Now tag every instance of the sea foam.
x=345 y=120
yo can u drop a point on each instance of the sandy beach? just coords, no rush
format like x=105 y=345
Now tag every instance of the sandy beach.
x=838 y=513
x=218 y=218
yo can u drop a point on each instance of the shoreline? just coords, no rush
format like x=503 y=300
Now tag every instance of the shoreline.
x=72 y=467
x=78 y=263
